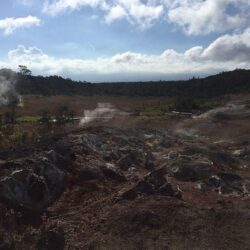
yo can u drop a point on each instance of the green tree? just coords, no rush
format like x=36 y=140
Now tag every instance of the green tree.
x=23 y=70
x=13 y=102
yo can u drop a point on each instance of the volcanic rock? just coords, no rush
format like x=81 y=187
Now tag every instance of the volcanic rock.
x=25 y=189
x=192 y=171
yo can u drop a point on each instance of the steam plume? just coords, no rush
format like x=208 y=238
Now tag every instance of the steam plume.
x=103 y=112
x=230 y=109
x=8 y=93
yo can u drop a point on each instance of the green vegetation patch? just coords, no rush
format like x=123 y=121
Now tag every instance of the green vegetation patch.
x=156 y=110
x=28 y=119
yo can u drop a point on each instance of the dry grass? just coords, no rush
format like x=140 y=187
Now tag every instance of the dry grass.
x=35 y=105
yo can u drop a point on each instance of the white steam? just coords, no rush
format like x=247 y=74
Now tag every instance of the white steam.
x=188 y=132
x=8 y=92
x=6 y=88
x=103 y=112
x=230 y=109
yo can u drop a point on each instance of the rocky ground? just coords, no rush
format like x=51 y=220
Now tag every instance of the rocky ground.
x=185 y=187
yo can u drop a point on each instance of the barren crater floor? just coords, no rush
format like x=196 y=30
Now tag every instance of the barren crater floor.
x=182 y=187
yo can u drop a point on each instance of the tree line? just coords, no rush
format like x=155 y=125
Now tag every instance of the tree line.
x=237 y=81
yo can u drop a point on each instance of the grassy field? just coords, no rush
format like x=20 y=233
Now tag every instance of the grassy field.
x=150 y=112
x=36 y=105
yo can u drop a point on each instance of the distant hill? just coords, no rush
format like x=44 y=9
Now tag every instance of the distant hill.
x=237 y=81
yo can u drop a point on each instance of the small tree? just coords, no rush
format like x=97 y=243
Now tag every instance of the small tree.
x=23 y=70
x=13 y=102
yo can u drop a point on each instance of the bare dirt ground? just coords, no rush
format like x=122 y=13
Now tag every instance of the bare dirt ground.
x=182 y=184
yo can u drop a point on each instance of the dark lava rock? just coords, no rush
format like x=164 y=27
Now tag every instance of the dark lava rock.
x=129 y=195
x=185 y=174
x=133 y=158
x=153 y=183
x=231 y=183
x=222 y=159
x=52 y=240
x=215 y=181
x=92 y=141
x=156 y=178
x=144 y=187
x=63 y=147
x=192 y=172
x=27 y=190
x=37 y=188
x=150 y=161
x=167 y=190
x=226 y=183
x=149 y=165
x=232 y=188
x=112 y=174
x=62 y=162
x=111 y=156
x=93 y=173
x=229 y=177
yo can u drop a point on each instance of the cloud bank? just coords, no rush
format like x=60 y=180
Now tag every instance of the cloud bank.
x=225 y=53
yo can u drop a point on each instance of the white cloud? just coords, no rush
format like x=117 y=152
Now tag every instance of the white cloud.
x=225 y=53
x=206 y=16
x=230 y=47
x=29 y=55
x=9 y=25
x=130 y=57
x=56 y=7
x=194 y=16
x=115 y=13
x=137 y=13
x=140 y=14
x=194 y=53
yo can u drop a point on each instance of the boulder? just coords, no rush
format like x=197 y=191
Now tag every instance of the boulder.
x=149 y=161
x=222 y=159
x=167 y=190
x=226 y=183
x=144 y=187
x=132 y=158
x=156 y=178
x=129 y=195
x=192 y=171
x=111 y=173
x=90 y=173
x=62 y=162
x=27 y=190
x=153 y=183
x=63 y=147
x=228 y=177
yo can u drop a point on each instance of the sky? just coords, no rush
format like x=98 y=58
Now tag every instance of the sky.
x=125 y=40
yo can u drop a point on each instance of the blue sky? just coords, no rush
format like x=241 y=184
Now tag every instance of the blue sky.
x=111 y=40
